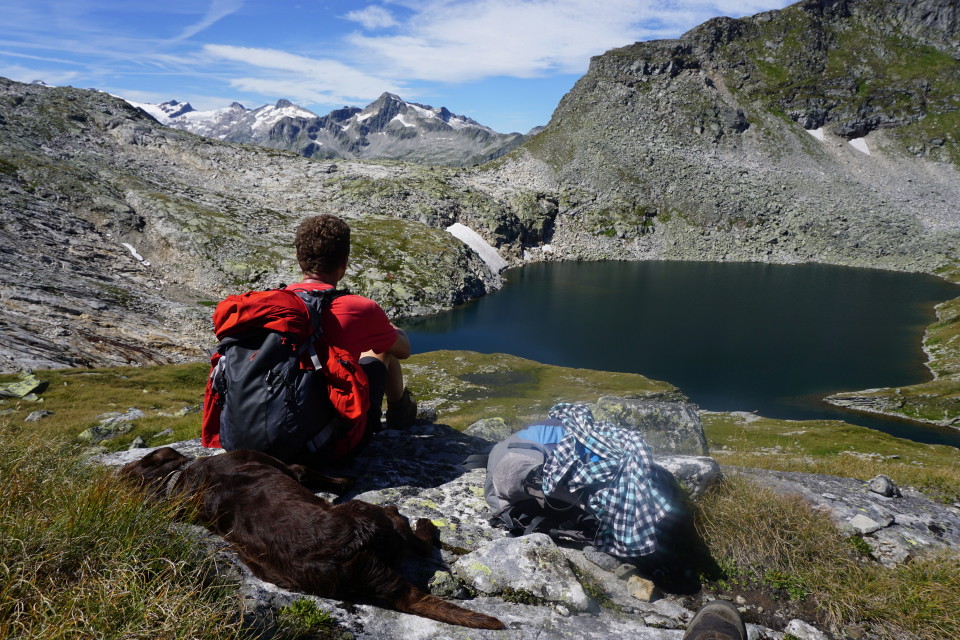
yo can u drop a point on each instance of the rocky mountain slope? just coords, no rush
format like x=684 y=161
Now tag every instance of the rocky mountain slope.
x=388 y=128
x=119 y=233
x=827 y=131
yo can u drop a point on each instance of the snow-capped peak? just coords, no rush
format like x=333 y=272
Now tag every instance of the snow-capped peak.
x=268 y=116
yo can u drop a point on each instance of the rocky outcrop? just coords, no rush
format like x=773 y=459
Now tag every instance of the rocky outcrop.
x=896 y=524
x=696 y=148
x=669 y=428
x=548 y=591
x=934 y=401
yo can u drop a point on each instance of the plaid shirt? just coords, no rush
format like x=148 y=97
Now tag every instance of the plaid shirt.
x=623 y=498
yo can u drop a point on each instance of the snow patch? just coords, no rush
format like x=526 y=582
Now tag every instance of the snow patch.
x=154 y=110
x=458 y=123
x=817 y=133
x=204 y=117
x=426 y=113
x=135 y=254
x=365 y=116
x=473 y=240
x=266 y=117
x=860 y=144
x=399 y=118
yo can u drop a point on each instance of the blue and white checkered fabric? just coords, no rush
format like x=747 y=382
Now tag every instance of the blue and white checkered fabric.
x=623 y=498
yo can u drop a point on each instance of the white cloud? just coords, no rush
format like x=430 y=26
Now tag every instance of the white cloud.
x=373 y=17
x=465 y=40
x=302 y=78
x=197 y=101
x=504 y=37
x=218 y=10
x=27 y=56
x=20 y=73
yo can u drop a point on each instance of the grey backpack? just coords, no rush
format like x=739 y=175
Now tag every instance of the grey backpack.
x=514 y=490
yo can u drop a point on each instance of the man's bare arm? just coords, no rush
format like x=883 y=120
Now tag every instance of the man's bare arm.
x=401 y=347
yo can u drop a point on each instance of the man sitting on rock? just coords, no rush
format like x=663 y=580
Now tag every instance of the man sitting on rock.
x=356 y=324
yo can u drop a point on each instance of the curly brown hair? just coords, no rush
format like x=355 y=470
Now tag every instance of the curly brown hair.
x=323 y=244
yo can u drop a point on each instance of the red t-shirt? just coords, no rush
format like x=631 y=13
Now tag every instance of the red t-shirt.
x=356 y=324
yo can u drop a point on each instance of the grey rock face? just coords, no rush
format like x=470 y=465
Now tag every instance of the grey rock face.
x=678 y=149
x=884 y=486
x=803 y=631
x=489 y=429
x=120 y=234
x=669 y=428
x=696 y=474
x=896 y=528
x=529 y=567
x=111 y=425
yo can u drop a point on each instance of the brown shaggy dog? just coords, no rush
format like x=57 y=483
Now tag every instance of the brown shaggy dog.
x=292 y=538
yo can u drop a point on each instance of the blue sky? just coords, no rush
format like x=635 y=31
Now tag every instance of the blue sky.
x=504 y=63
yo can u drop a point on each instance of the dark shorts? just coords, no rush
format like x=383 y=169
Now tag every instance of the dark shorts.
x=377 y=377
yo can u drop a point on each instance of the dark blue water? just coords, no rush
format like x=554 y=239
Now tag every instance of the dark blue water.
x=732 y=336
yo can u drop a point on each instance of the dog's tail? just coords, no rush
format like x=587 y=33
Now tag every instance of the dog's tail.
x=424 y=604
x=386 y=587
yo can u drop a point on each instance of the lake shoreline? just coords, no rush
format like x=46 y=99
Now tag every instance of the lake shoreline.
x=772 y=312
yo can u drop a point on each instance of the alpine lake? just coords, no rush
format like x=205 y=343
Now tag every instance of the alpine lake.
x=774 y=339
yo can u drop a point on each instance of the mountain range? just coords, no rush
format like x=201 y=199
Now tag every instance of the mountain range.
x=388 y=128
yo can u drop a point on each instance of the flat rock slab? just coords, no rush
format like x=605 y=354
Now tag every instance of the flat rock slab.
x=529 y=566
x=895 y=527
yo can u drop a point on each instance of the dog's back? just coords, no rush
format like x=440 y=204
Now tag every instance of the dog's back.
x=299 y=541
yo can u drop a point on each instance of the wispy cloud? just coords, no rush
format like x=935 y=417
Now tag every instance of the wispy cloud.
x=197 y=101
x=218 y=10
x=28 y=74
x=27 y=56
x=373 y=17
x=302 y=78
x=466 y=40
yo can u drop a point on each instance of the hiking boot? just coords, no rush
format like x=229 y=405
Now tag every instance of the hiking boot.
x=403 y=412
x=716 y=620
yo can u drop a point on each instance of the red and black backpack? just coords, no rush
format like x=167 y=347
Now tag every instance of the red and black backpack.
x=275 y=383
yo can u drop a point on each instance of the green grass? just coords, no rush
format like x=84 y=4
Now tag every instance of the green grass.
x=833 y=448
x=77 y=396
x=938 y=400
x=468 y=386
x=83 y=556
x=778 y=541
x=303 y=619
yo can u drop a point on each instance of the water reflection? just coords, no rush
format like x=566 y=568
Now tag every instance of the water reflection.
x=732 y=336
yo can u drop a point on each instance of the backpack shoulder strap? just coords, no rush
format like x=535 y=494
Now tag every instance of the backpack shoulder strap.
x=317 y=302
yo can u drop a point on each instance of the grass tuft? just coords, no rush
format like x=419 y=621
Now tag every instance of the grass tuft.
x=83 y=556
x=304 y=620
x=780 y=541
